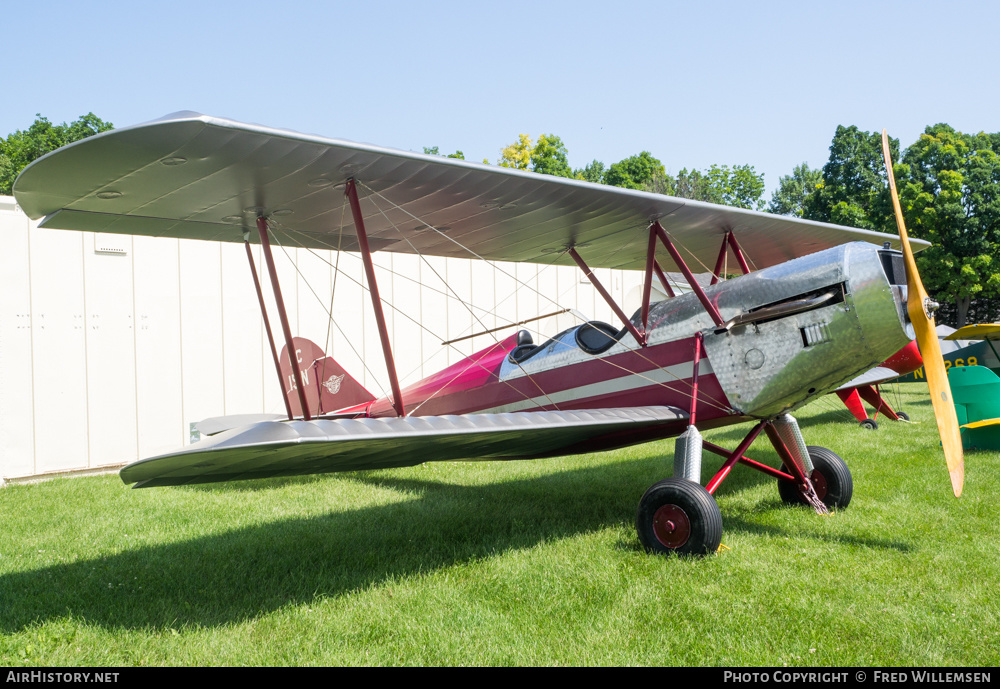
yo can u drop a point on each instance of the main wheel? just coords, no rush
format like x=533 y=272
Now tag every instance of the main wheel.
x=903 y=415
x=677 y=516
x=830 y=477
x=869 y=425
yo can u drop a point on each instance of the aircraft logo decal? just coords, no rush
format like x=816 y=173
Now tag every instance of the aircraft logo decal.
x=333 y=384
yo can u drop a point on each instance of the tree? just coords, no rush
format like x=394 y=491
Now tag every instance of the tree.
x=22 y=147
x=740 y=186
x=518 y=154
x=661 y=183
x=793 y=190
x=950 y=194
x=634 y=172
x=692 y=185
x=593 y=172
x=853 y=191
x=549 y=157
x=435 y=151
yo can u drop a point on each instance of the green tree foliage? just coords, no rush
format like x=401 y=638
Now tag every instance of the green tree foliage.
x=740 y=186
x=661 y=183
x=634 y=172
x=793 y=190
x=593 y=172
x=949 y=185
x=691 y=184
x=950 y=194
x=22 y=147
x=853 y=191
x=435 y=151
x=549 y=157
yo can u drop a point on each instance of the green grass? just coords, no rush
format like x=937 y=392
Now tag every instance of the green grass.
x=520 y=563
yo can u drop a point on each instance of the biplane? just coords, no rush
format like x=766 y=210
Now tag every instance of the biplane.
x=866 y=387
x=971 y=345
x=822 y=304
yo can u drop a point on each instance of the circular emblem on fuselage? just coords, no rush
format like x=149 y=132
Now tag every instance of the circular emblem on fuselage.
x=754 y=358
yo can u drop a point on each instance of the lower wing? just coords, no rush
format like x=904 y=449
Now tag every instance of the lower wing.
x=287 y=448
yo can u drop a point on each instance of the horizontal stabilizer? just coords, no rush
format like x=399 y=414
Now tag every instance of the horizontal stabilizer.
x=288 y=448
x=218 y=424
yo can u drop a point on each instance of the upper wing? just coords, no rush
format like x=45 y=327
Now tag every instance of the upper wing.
x=289 y=448
x=194 y=176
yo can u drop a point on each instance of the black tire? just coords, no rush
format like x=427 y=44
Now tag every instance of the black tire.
x=830 y=477
x=903 y=415
x=678 y=517
x=869 y=425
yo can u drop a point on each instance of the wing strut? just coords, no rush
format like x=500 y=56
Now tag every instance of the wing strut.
x=640 y=338
x=647 y=284
x=663 y=280
x=265 y=242
x=717 y=272
x=674 y=254
x=729 y=241
x=351 y=191
x=267 y=324
x=739 y=253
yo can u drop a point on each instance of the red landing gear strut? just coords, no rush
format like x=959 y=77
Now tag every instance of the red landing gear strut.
x=679 y=516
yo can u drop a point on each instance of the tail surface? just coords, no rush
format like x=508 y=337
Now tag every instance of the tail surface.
x=328 y=387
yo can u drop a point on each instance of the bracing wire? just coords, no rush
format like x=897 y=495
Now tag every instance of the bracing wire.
x=637 y=351
x=464 y=304
x=703 y=398
x=328 y=344
x=329 y=314
x=395 y=310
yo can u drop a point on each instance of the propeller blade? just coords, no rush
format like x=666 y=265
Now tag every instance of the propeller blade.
x=930 y=348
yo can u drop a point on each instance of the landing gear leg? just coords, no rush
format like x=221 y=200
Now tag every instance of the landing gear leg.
x=787 y=439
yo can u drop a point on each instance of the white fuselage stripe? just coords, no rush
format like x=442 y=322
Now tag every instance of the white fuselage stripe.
x=629 y=381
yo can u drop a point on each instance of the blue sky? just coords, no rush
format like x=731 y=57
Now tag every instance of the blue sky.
x=731 y=83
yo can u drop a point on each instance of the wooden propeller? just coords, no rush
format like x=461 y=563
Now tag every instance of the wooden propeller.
x=917 y=304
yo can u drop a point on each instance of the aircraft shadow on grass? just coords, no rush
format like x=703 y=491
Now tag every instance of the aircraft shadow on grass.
x=247 y=572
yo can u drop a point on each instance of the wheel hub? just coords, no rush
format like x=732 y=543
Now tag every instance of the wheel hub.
x=671 y=526
x=819 y=484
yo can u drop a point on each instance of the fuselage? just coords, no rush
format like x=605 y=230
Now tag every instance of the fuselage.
x=794 y=331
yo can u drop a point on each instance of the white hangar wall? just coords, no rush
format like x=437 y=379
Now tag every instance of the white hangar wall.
x=111 y=346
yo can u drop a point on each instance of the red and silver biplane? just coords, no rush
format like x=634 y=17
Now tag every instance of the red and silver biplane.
x=823 y=304
x=866 y=387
